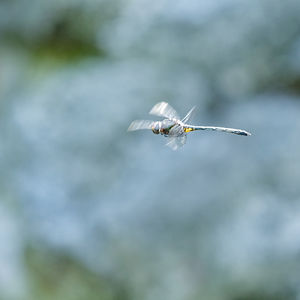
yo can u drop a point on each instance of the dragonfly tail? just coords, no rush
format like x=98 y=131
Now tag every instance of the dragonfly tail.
x=222 y=129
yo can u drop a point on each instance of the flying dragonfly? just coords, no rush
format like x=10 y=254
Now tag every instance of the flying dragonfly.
x=174 y=128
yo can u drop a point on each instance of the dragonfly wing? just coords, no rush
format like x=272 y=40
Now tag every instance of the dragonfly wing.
x=189 y=115
x=176 y=131
x=140 y=124
x=176 y=142
x=163 y=109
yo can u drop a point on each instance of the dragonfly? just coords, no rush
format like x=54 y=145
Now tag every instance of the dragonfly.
x=174 y=128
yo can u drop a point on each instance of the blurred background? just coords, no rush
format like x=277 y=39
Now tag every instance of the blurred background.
x=90 y=211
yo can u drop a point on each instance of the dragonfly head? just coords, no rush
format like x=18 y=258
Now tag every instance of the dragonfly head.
x=156 y=127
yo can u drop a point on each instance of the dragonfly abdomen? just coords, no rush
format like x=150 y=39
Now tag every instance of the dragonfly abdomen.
x=223 y=129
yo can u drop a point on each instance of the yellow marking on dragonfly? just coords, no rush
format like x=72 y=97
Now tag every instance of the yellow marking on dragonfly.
x=189 y=129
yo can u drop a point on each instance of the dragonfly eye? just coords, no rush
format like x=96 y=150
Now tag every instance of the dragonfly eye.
x=155 y=128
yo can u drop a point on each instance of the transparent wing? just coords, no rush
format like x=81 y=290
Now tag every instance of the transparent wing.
x=189 y=115
x=176 y=138
x=176 y=142
x=140 y=124
x=163 y=109
x=176 y=130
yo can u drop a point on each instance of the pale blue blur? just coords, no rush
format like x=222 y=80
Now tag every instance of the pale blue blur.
x=90 y=211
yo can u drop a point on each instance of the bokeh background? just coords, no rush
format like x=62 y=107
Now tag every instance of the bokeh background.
x=90 y=211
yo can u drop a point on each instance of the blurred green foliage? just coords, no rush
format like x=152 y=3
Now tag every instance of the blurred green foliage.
x=53 y=275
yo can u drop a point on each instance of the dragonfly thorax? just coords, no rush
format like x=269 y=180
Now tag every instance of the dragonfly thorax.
x=163 y=127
